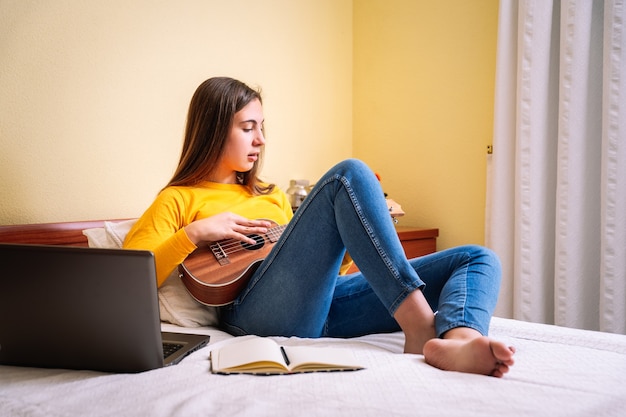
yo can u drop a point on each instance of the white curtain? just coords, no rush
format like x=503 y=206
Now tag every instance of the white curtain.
x=556 y=194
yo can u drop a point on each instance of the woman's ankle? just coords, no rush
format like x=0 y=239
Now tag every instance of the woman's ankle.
x=417 y=321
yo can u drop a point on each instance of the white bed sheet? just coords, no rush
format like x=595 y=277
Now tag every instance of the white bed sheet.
x=558 y=372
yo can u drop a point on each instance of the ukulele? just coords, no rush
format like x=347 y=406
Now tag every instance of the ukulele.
x=216 y=272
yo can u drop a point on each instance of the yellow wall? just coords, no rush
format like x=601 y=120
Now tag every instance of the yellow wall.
x=93 y=94
x=423 y=107
x=93 y=98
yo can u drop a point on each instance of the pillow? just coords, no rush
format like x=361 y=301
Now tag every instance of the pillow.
x=176 y=305
x=111 y=236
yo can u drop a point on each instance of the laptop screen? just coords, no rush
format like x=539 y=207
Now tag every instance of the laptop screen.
x=79 y=308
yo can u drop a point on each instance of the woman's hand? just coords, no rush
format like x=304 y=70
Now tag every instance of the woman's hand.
x=225 y=226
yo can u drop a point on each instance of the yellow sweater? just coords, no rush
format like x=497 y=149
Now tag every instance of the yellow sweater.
x=160 y=228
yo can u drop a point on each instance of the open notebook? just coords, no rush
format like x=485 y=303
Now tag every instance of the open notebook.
x=84 y=308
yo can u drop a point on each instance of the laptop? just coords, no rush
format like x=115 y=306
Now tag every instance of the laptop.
x=84 y=308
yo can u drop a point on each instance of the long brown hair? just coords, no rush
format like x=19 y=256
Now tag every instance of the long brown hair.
x=209 y=119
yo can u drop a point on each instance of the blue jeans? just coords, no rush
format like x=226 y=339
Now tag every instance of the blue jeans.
x=297 y=290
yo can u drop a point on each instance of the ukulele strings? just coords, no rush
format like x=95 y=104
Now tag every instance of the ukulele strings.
x=230 y=246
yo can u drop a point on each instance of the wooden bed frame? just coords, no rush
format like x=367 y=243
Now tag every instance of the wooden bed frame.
x=61 y=233
x=415 y=241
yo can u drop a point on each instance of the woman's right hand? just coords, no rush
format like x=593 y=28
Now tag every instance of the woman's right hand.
x=225 y=226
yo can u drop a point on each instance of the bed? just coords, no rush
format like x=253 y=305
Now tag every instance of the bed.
x=558 y=371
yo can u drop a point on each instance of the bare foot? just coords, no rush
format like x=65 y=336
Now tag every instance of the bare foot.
x=480 y=355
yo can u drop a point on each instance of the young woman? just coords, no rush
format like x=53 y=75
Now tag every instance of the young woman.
x=442 y=302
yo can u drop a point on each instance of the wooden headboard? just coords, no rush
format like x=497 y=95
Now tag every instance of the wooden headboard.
x=64 y=233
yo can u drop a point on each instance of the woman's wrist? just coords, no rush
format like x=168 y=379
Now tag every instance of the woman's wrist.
x=192 y=234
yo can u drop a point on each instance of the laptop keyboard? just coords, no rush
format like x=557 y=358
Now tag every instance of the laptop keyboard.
x=170 y=348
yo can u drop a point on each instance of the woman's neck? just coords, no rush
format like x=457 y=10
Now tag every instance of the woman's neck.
x=223 y=178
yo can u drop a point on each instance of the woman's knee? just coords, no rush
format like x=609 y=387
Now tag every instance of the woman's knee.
x=351 y=167
x=486 y=259
x=475 y=256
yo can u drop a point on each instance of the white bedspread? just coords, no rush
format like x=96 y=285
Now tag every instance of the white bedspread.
x=558 y=372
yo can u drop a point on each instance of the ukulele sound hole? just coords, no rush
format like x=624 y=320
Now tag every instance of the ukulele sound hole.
x=260 y=242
